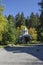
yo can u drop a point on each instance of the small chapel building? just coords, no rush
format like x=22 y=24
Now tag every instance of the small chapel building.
x=25 y=37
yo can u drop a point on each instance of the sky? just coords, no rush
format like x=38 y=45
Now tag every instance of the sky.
x=18 y=6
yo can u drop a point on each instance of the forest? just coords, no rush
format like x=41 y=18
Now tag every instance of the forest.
x=11 y=27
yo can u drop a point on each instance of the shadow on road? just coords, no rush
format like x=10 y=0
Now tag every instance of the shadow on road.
x=36 y=51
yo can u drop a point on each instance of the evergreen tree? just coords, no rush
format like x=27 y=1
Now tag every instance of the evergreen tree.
x=27 y=22
x=41 y=15
x=20 y=19
x=40 y=27
x=34 y=20
x=17 y=18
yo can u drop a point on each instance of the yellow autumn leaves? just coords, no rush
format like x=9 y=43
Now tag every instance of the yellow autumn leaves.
x=33 y=33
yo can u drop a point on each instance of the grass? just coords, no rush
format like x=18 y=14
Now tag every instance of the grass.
x=35 y=42
x=23 y=44
x=2 y=46
x=30 y=43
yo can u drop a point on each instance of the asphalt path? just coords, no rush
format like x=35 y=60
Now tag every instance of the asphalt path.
x=32 y=55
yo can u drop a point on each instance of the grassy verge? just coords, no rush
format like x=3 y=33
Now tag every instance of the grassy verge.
x=31 y=43
x=2 y=46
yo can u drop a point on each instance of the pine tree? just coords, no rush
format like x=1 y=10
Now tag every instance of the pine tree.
x=41 y=15
x=40 y=27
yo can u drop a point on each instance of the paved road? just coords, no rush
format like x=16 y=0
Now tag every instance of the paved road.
x=22 y=56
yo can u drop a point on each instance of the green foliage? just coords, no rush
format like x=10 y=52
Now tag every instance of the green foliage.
x=34 y=20
x=20 y=19
x=3 y=26
x=11 y=35
x=11 y=28
x=20 y=30
x=17 y=18
x=40 y=27
x=2 y=8
x=41 y=35
x=27 y=22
